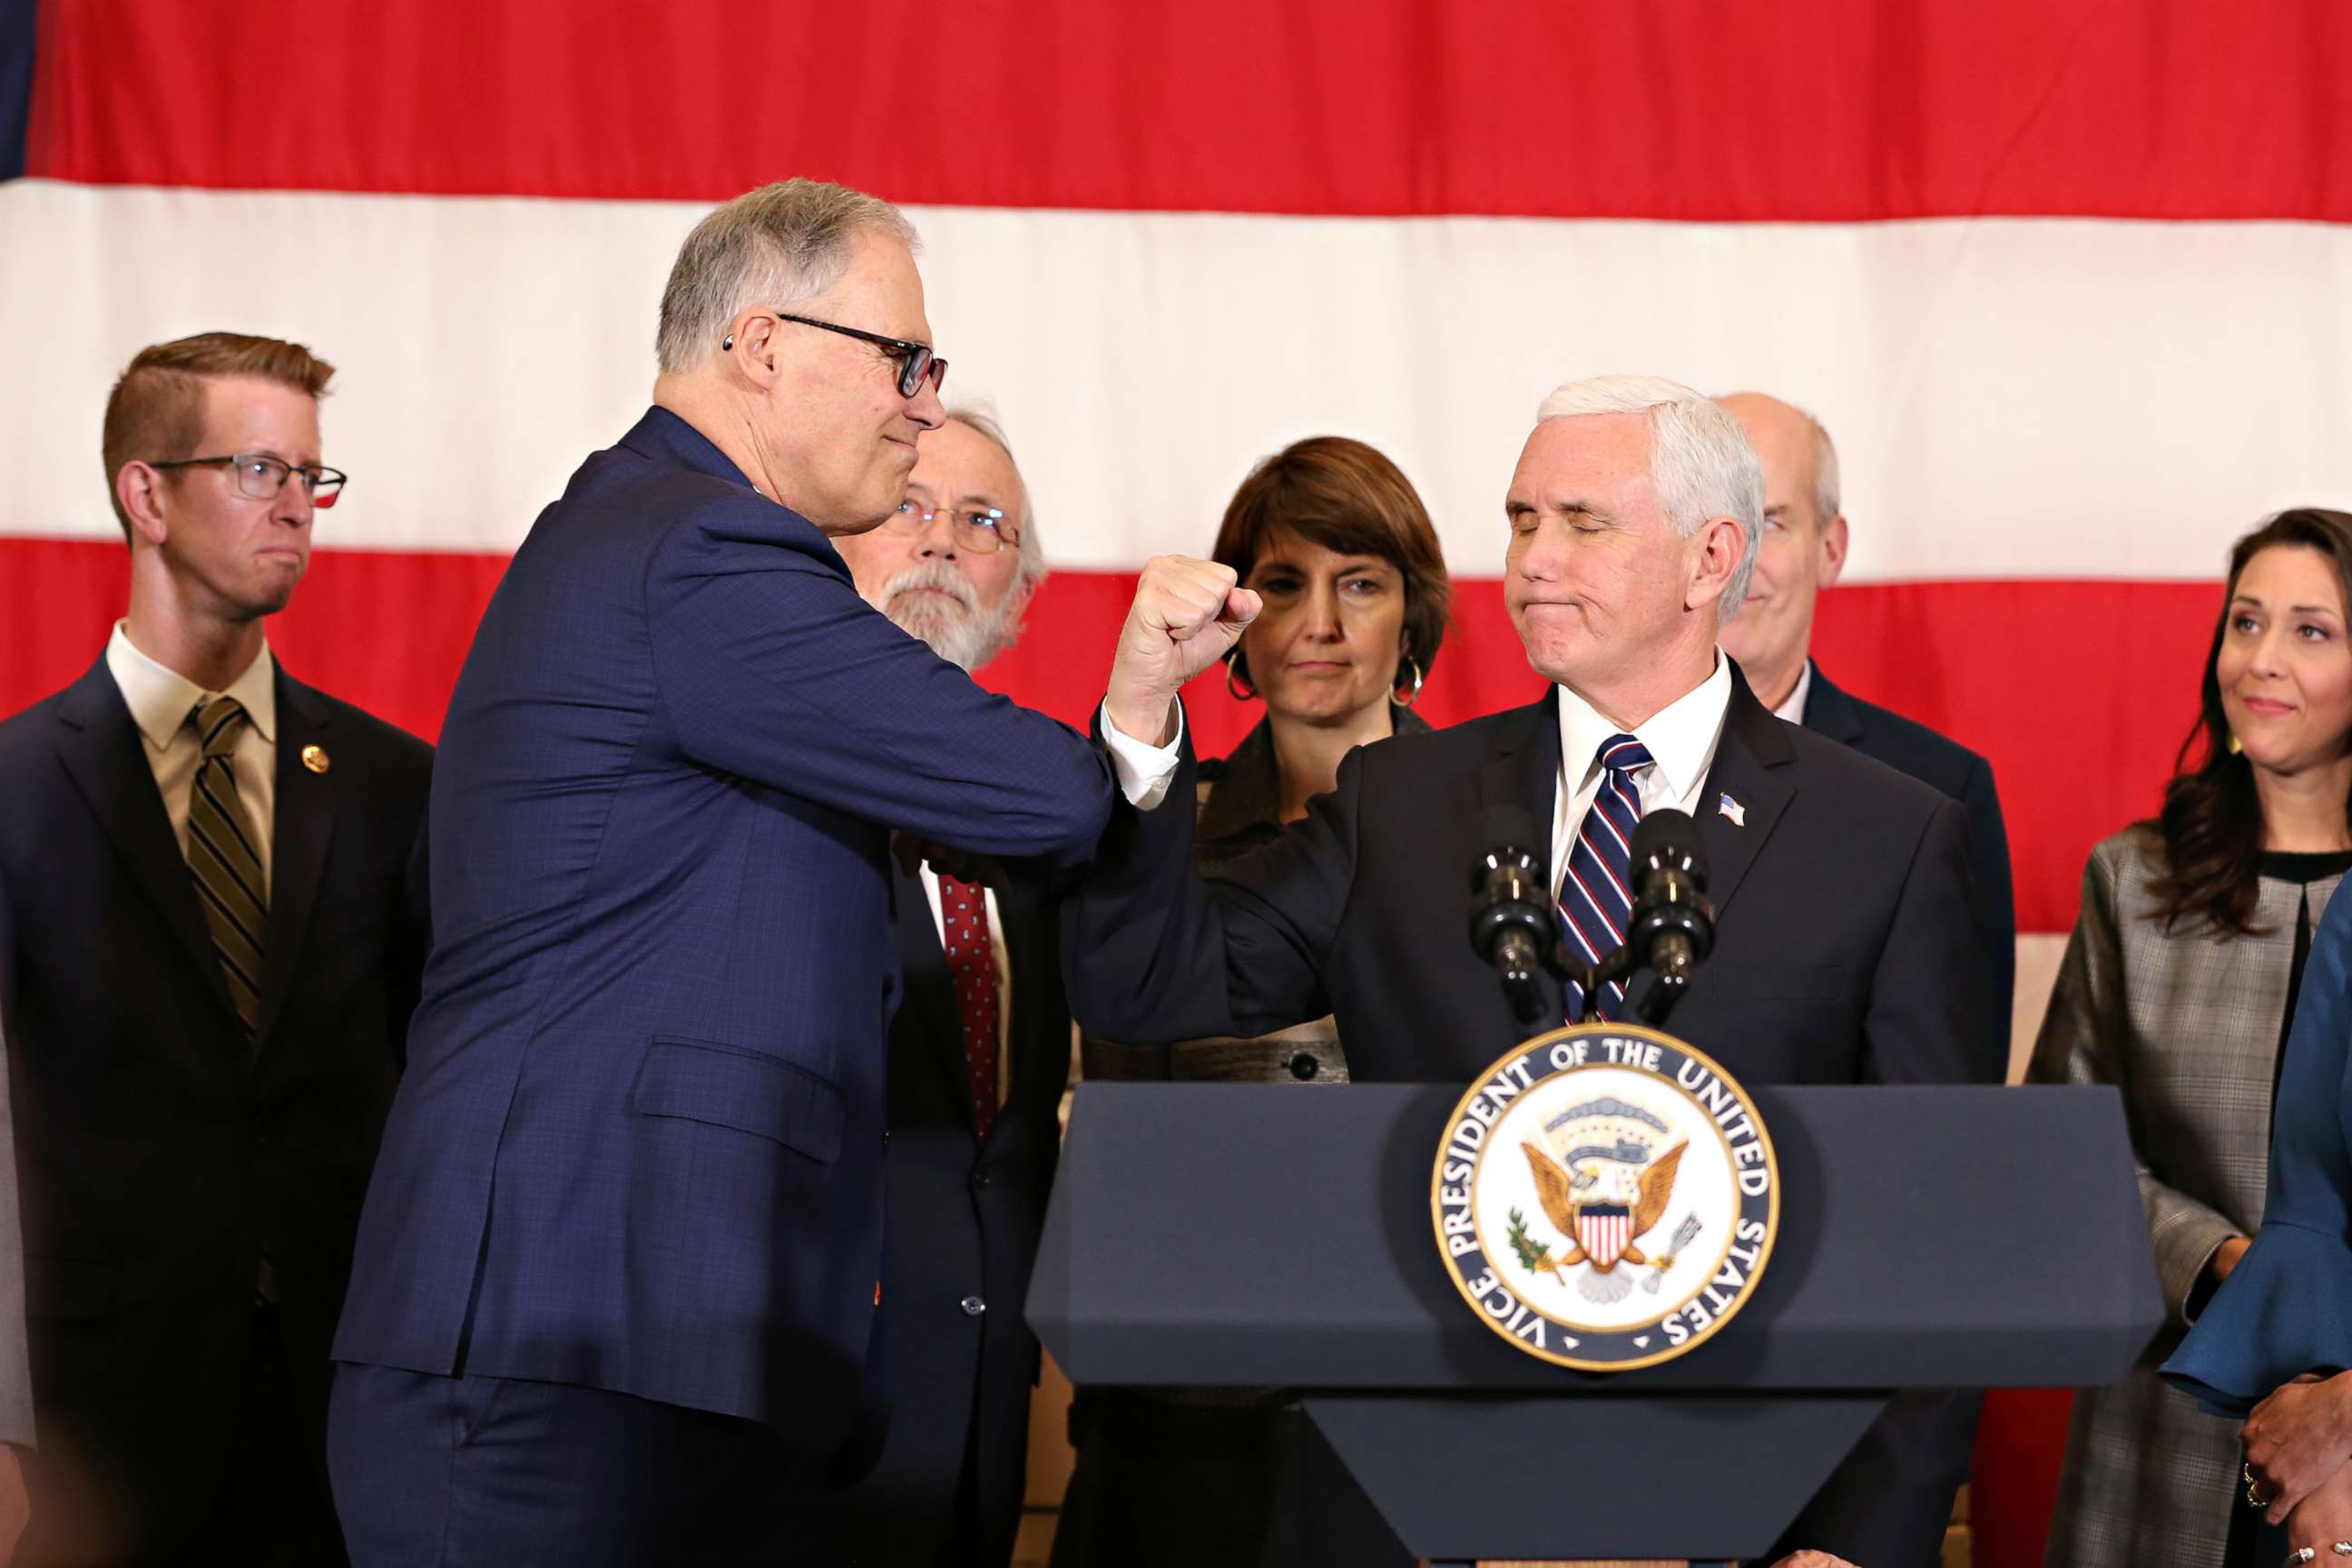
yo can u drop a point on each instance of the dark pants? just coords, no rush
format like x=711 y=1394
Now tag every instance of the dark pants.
x=1168 y=1481
x=491 y=1472
x=115 y=1488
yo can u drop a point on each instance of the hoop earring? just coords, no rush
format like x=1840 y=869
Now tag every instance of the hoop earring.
x=1410 y=698
x=1233 y=662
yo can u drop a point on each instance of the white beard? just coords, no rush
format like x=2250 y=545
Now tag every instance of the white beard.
x=960 y=632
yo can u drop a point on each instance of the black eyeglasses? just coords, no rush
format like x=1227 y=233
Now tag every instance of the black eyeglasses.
x=915 y=361
x=264 y=478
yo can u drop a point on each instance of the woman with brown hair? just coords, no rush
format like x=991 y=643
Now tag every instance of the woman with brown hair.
x=1343 y=557
x=1341 y=550
x=2179 y=987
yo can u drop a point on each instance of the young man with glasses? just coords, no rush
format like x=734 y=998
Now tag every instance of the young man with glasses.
x=619 y=1294
x=216 y=876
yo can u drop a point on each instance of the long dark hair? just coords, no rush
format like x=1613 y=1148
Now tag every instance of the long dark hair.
x=2212 y=820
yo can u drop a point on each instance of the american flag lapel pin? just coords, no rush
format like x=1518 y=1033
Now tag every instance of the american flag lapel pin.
x=1726 y=807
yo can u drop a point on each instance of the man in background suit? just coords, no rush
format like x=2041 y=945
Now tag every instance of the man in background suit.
x=618 y=1285
x=1845 y=949
x=217 y=881
x=978 y=1055
x=1803 y=551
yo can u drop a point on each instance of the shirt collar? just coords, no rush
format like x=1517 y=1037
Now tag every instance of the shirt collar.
x=1680 y=737
x=159 y=698
x=1793 y=710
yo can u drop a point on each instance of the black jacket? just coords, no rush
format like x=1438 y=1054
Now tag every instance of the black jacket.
x=1847 y=951
x=1912 y=748
x=962 y=1227
x=157 y=1158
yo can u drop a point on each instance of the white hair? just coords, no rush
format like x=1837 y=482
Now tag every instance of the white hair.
x=1700 y=462
x=967 y=635
x=775 y=246
x=979 y=418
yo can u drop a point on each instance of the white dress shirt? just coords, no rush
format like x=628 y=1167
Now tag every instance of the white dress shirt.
x=161 y=699
x=1793 y=710
x=1003 y=974
x=1681 y=738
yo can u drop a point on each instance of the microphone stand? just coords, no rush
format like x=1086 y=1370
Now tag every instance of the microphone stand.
x=1618 y=967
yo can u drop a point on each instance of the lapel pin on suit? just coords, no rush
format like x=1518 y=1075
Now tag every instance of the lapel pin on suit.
x=1726 y=807
x=315 y=758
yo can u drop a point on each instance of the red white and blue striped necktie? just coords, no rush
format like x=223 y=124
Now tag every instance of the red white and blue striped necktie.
x=1594 y=897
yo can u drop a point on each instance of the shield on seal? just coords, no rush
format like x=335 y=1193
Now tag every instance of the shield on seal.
x=1603 y=1230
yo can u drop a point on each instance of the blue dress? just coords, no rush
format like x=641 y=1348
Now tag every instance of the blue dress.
x=2286 y=1309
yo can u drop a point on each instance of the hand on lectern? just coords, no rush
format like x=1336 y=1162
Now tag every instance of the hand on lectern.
x=1186 y=614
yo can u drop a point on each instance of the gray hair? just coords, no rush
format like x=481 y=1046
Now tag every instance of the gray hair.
x=1700 y=462
x=774 y=246
x=981 y=420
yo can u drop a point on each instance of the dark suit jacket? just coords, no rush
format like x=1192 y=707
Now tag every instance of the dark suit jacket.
x=964 y=1220
x=1913 y=748
x=639 y=1146
x=1847 y=951
x=156 y=1160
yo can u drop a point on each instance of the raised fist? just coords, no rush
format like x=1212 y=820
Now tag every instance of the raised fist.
x=1186 y=614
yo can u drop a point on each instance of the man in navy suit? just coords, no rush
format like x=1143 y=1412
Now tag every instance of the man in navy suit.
x=1802 y=552
x=619 y=1278
x=215 y=885
x=979 y=1055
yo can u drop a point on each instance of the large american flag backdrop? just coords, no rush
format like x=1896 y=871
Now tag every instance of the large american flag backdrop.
x=2069 y=280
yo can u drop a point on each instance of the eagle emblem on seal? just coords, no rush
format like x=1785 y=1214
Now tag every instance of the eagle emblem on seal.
x=1605 y=1181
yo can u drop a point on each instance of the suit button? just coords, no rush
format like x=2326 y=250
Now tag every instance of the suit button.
x=885 y=1139
x=1304 y=1066
x=979 y=1181
x=973 y=1306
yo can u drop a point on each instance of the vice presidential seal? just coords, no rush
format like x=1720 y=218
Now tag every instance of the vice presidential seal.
x=1606 y=1197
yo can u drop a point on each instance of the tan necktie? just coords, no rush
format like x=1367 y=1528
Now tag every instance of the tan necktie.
x=222 y=853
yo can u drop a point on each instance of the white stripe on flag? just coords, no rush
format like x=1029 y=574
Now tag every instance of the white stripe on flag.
x=2010 y=397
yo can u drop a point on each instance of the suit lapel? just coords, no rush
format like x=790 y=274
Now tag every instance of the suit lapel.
x=931 y=995
x=1039 y=1037
x=1754 y=747
x=1522 y=771
x=102 y=753
x=1830 y=712
x=305 y=826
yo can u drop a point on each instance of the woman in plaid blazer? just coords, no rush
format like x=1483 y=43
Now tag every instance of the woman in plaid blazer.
x=2179 y=987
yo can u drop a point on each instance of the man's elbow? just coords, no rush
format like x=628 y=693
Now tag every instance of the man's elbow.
x=1074 y=807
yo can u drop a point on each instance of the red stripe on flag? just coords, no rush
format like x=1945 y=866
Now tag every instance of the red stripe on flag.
x=1831 y=110
x=2041 y=677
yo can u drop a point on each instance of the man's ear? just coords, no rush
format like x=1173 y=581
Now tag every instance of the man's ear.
x=140 y=491
x=752 y=352
x=1016 y=609
x=1834 y=548
x=1722 y=542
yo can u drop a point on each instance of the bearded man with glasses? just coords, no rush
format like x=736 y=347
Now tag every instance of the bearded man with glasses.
x=979 y=1053
x=217 y=883
x=619 y=1292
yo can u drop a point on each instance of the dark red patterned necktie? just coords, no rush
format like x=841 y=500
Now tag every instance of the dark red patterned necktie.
x=971 y=970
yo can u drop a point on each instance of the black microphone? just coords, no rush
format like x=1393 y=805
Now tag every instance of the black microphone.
x=1673 y=924
x=1511 y=920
